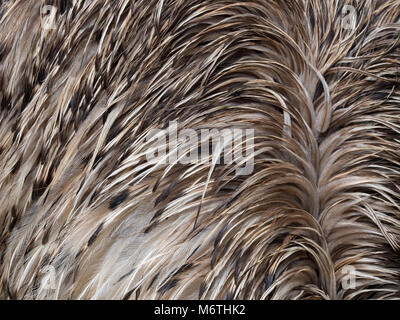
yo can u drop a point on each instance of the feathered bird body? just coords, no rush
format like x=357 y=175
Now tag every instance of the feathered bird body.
x=84 y=83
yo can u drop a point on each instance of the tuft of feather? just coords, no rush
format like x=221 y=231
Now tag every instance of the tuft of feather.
x=82 y=83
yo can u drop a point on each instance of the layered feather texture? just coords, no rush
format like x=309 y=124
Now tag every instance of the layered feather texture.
x=76 y=191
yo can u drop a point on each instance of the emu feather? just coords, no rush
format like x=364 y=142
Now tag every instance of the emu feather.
x=81 y=88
